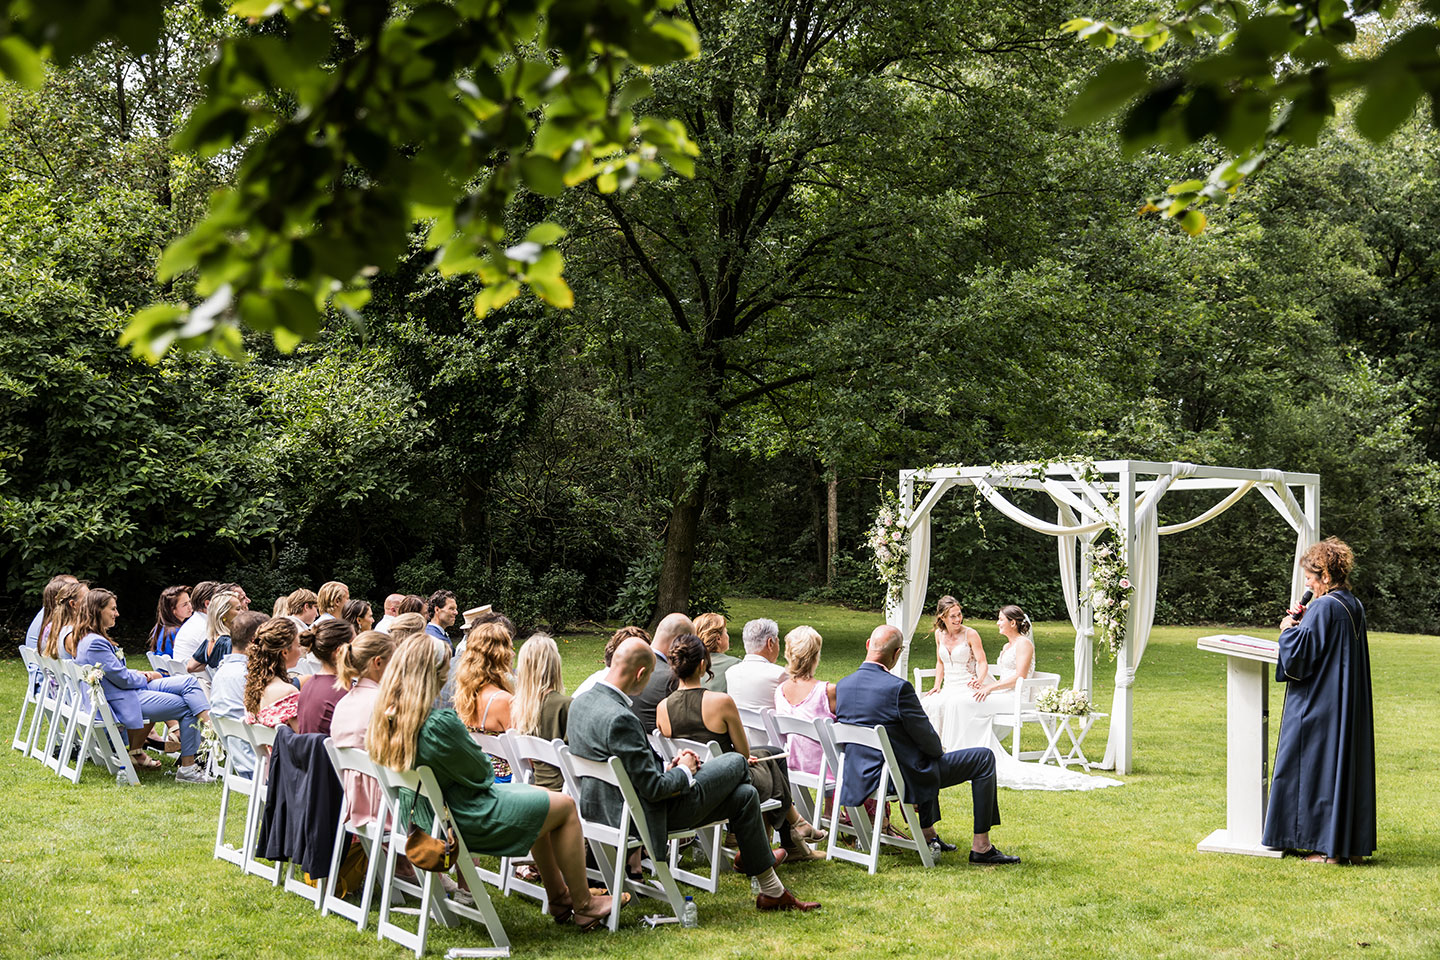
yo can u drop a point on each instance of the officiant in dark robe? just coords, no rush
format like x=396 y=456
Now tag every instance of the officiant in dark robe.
x=1322 y=797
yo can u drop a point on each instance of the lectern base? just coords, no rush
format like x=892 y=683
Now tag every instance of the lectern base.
x=1220 y=842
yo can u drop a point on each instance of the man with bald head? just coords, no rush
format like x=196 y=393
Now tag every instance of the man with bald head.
x=673 y=627
x=873 y=695
x=676 y=796
x=392 y=610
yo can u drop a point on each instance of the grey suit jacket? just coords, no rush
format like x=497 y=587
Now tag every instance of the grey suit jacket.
x=602 y=726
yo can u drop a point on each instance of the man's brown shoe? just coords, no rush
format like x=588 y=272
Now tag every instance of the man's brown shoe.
x=779 y=853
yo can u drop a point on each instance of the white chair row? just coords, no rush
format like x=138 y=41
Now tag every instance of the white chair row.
x=1023 y=711
x=63 y=726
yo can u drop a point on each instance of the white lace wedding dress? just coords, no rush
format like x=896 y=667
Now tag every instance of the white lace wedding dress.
x=962 y=721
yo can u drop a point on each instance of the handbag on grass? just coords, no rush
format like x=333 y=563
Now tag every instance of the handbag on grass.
x=425 y=851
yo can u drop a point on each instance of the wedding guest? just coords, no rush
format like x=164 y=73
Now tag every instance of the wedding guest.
x=711 y=628
x=331 y=599
x=707 y=716
x=671 y=628
x=173 y=610
x=392 y=610
x=48 y=600
x=326 y=639
x=496 y=819
x=270 y=698
x=302 y=607
x=541 y=708
x=359 y=667
x=484 y=690
x=227 y=687
x=218 y=623
x=682 y=794
x=238 y=591
x=281 y=607
x=616 y=638
x=406 y=625
x=410 y=604
x=60 y=621
x=752 y=681
x=357 y=613
x=196 y=628
x=871 y=696
x=442 y=609
x=803 y=696
x=1322 y=797
x=487 y=616
x=139 y=698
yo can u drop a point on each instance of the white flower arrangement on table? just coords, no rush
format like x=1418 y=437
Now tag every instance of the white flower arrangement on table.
x=890 y=543
x=1108 y=592
x=1075 y=703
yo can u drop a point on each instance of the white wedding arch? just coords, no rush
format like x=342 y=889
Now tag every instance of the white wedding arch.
x=1119 y=495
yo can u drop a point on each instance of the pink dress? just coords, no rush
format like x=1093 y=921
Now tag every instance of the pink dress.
x=347 y=729
x=803 y=753
x=284 y=710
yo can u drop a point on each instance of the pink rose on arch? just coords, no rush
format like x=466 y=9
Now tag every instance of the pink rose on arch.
x=1125 y=583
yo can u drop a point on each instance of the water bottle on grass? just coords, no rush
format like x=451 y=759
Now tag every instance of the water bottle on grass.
x=690 y=914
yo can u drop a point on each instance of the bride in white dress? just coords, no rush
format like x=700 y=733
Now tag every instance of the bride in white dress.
x=960 y=669
x=969 y=720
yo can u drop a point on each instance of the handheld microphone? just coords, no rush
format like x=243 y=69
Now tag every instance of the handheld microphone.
x=1298 y=609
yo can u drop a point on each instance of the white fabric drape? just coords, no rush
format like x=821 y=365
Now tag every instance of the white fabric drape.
x=1074 y=561
x=904 y=614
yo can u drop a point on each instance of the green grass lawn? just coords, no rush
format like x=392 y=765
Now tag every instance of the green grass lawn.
x=101 y=870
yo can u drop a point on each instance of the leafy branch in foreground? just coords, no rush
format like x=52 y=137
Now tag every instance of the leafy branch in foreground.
x=1264 y=75
x=350 y=121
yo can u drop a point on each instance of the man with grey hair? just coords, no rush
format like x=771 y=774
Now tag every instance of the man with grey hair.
x=672 y=628
x=752 y=681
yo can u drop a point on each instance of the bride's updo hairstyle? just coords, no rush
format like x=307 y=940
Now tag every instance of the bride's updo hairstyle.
x=688 y=657
x=943 y=607
x=1018 y=617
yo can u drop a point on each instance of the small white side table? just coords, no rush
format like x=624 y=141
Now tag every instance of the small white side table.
x=1074 y=727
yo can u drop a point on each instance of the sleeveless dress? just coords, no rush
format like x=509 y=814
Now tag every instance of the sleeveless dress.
x=951 y=709
x=501 y=765
x=802 y=753
x=771 y=778
x=975 y=728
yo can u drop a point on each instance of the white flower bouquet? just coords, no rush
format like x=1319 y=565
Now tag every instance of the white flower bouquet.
x=1076 y=703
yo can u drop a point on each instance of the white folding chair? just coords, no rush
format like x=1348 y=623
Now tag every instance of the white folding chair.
x=920 y=677
x=233 y=782
x=25 y=727
x=892 y=779
x=47 y=717
x=612 y=845
x=167 y=665
x=707 y=839
x=62 y=723
x=422 y=781
x=496 y=745
x=754 y=723
x=87 y=716
x=808 y=789
x=522 y=772
x=1023 y=712
x=262 y=740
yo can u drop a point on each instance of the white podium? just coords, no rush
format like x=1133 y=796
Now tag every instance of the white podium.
x=1247 y=743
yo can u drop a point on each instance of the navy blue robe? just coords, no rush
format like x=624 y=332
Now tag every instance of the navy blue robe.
x=1322 y=797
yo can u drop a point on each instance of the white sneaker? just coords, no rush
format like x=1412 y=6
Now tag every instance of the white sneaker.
x=192 y=774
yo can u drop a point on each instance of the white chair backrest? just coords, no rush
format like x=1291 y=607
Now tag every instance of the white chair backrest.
x=526 y=750
x=1028 y=689
x=754 y=724
x=661 y=745
x=31 y=658
x=705 y=751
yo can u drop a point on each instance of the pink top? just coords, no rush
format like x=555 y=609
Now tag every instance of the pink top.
x=347 y=729
x=281 y=711
x=803 y=753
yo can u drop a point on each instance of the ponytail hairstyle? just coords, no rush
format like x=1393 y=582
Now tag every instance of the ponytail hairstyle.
x=50 y=603
x=220 y=614
x=354 y=611
x=68 y=600
x=407 y=692
x=327 y=639
x=943 y=607
x=485 y=663
x=165 y=616
x=89 y=618
x=406 y=625
x=353 y=658
x=332 y=596
x=537 y=675
x=1018 y=617
x=688 y=657
x=268 y=652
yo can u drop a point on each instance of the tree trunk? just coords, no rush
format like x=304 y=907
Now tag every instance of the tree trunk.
x=832 y=528
x=681 y=537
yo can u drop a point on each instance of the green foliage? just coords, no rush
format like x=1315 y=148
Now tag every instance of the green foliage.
x=635 y=600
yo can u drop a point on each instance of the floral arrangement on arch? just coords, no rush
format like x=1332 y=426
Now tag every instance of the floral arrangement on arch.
x=1075 y=703
x=889 y=542
x=1108 y=592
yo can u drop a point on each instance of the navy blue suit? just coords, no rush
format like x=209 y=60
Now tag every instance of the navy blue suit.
x=873 y=695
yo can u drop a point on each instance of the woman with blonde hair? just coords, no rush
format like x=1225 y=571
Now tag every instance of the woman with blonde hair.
x=270 y=698
x=802 y=696
x=332 y=598
x=711 y=629
x=541 y=708
x=406 y=625
x=483 y=689
x=359 y=667
x=220 y=616
x=496 y=819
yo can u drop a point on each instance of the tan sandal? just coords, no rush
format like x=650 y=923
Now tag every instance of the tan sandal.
x=143 y=761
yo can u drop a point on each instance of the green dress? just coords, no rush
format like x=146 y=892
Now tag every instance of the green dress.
x=497 y=819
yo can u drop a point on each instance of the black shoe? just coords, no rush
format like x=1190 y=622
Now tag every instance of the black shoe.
x=992 y=856
x=938 y=846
